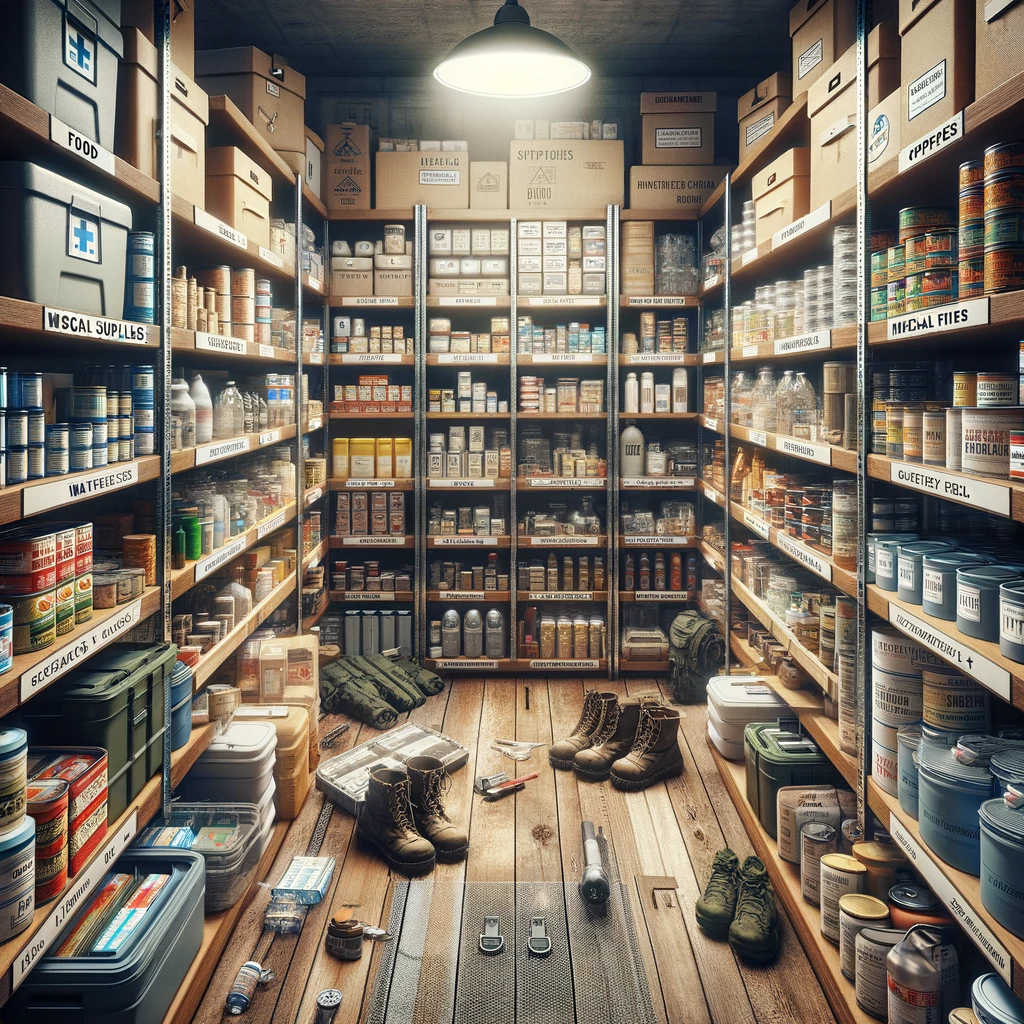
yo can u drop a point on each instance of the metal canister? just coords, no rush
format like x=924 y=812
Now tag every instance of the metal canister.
x=857 y=912
x=916 y=219
x=927 y=288
x=895 y=263
x=933 y=429
x=985 y=442
x=817 y=838
x=840 y=874
x=993 y=389
x=139 y=292
x=931 y=250
x=894 y=430
x=923 y=973
x=954 y=432
x=871 y=947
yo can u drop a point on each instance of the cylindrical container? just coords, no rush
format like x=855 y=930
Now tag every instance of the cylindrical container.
x=13 y=761
x=817 y=839
x=996 y=389
x=938 y=583
x=839 y=876
x=140 y=553
x=871 y=947
x=243 y=988
x=949 y=795
x=913 y=220
x=857 y=912
x=17 y=878
x=894 y=430
x=1011 y=620
x=886 y=563
x=994 y=1002
x=977 y=599
x=883 y=862
x=954 y=701
x=985 y=446
x=971 y=274
x=47 y=805
x=908 y=739
x=1002 y=852
x=1007 y=767
x=933 y=429
x=965 y=388
x=910 y=904
x=24 y=391
x=909 y=570
x=139 y=293
x=6 y=638
x=931 y=250
x=339 y=458
x=896 y=692
x=954 y=438
x=913 y=433
x=928 y=288
x=895 y=263
x=35 y=621
x=915 y=978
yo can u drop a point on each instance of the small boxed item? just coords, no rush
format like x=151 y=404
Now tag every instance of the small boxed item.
x=677 y=102
x=565 y=176
x=488 y=185
x=351 y=282
x=673 y=187
x=781 y=193
x=999 y=53
x=238 y=191
x=310 y=163
x=65 y=244
x=66 y=64
x=190 y=114
x=682 y=138
x=430 y=178
x=734 y=702
x=291 y=764
x=305 y=880
x=759 y=110
x=140 y=14
x=937 y=63
x=392 y=281
x=267 y=91
x=821 y=30
x=346 y=173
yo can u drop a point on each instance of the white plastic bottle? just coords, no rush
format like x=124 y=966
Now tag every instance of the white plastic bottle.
x=647 y=392
x=631 y=452
x=631 y=399
x=204 y=410
x=680 y=385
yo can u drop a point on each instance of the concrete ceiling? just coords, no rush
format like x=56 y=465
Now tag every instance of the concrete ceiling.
x=744 y=38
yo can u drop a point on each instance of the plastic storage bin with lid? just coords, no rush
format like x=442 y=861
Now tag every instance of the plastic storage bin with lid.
x=181 y=704
x=994 y=1003
x=237 y=767
x=778 y=755
x=1002 y=854
x=291 y=758
x=734 y=702
x=138 y=975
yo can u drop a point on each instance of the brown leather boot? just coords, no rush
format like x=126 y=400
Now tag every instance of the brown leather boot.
x=655 y=754
x=595 y=711
x=429 y=781
x=386 y=824
x=614 y=741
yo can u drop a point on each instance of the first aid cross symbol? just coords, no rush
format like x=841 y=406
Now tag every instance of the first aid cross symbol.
x=84 y=237
x=80 y=51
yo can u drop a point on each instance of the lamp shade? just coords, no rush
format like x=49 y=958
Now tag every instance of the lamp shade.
x=512 y=59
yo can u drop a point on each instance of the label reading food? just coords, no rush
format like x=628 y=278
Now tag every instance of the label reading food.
x=221 y=450
x=977 y=493
x=453 y=542
x=66 y=321
x=271 y=257
x=938 y=319
x=270 y=525
x=222 y=556
x=204 y=220
x=220 y=343
x=803 y=343
x=820 y=453
x=74 y=142
x=810 y=58
x=77 y=487
x=445 y=358
x=756 y=523
x=801 y=226
x=926 y=91
x=804 y=555
x=947 y=134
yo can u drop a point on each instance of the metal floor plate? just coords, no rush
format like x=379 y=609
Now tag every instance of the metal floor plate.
x=486 y=988
x=543 y=984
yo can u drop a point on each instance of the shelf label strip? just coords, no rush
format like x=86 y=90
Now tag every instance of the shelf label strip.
x=757 y=524
x=464 y=663
x=271 y=524
x=270 y=437
x=659 y=300
x=803 y=343
x=362 y=542
x=446 y=542
x=542 y=358
x=220 y=343
x=977 y=493
x=710 y=357
x=222 y=450
x=74 y=142
x=464 y=595
x=447 y=483
x=315 y=494
x=271 y=257
x=213 y=562
x=360 y=358
x=217 y=227
x=947 y=134
x=467 y=300
x=939 y=319
x=673 y=358
x=559 y=595
x=78 y=487
x=711 y=423
x=447 y=358
x=804 y=555
x=564 y=481
x=751 y=351
x=375 y=484
x=678 y=483
x=655 y=540
x=759 y=437
x=800 y=227
x=83 y=325
x=561 y=664
x=266 y=351
x=660 y=595
x=563 y=300
x=364 y=596
x=370 y=300
x=559 y=542
x=820 y=453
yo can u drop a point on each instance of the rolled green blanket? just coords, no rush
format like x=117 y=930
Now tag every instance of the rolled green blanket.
x=398 y=675
x=392 y=690
x=342 y=693
x=429 y=682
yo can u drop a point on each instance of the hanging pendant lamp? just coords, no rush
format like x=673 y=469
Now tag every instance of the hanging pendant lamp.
x=512 y=60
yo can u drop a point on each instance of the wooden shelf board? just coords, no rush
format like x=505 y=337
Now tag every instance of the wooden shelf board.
x=680 y=359
x=665 y=597
x=361 y=597
x=562 y=416
x=679 y=416
x=493 y=359
x=468 y=415
x=842 y=458
x=184 y=340
x=23 y=322
x=368 y=544
x=471 y=541
x=491 y=597
x=185 y=459
x=402 y=484
x=563 y=541
x=639 y=665
x=369 y=359
x=405 y=213
x=714 y=558
x=656 y=541
x=844 y=337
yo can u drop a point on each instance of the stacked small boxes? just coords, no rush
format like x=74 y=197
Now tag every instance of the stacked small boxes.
x=593 y=129
x=468 y=261
x=638 y=257
x=555 y=258
x=371 y=394
x=573 y=337
x=468 y=396
x=370 y=514
x=349 y=335
x=464 y=455
x=443 y=339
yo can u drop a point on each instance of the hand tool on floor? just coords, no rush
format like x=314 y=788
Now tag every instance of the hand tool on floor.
x=485 y=782
x=594 y=886
x=327 y=1003
x=510 y=786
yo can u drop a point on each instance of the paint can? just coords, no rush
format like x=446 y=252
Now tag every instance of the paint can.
x=938 y=585
x=17 y=878
x=1002 y=848
x=909 y=574
x=985 y=447
x=840 y=876
x=139 y=291
x=857 y=912
x=977 y=599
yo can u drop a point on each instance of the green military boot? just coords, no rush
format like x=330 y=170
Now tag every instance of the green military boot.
x=655 y=754
x=615 y=740
x=386 y=824
x=596 y=707
x=429 y=781
x=754 y=932
x=717 y=907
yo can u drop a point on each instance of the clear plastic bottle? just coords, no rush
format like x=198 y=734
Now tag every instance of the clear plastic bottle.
x=250 y=421
x=784 y=403
x=763 y=401
x=805 y=409
x=742 y=394
x=184 y=409
x=229 y=413
x=631 y=401
x=200 y=395
x=631 y=452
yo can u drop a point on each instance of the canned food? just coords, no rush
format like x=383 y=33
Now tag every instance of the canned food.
x=985 y=447
x=928 y=288
x=895 y=261
x=1004 y=156
x=17 y=427
x=972 y=174
x=971 y=236
x=965 y=388
x=932 y=250
x=6 y=630
x=879 y=268
x=971 y=281
x=896 y=298
x=1004 y=268
x=996 y=389
x=35 y=621
x=916 y=219
x=880 y=302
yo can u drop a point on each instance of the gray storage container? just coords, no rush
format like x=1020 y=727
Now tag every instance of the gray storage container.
x=63 y=56
x=64 y=245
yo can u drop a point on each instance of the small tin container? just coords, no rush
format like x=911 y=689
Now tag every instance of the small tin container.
x=817 y=838
x=913 y=220
x=857 y=912
x=17 y=427
x=977 y=599
x=1011 y=620
x=17 y=878
x=13 y=764
x=938 y=581
x=895 y=263
x=985 y=443
x=139 y=292
x=908 y=739
x=996 y=389
x=840 y=875
x=24 y=391
x=886 y=564
x=971 y=277
x=954 y=701
x=6 y=638
x=933 y=429
x=47 y=805
x=871 y=947
x=909 y=574
x=35 y=621
x=931 y=251
x=965 y=389
x=954 y=438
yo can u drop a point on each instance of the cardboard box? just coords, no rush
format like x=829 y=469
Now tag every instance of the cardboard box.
x=821 y=30
x=781 y=193
x=431 y=178
x=671 y=187
x=239 y=191
x=346 y=186
x=345 y=283
x=270 y=93
x=566 y=176
x=683 y=138
x=832 y=107
x=884 y=138
x=309 y=164
x=937 y=77
x=140 y=14
x=677 y=102
x=999 y=44
x=190 y=114
x=488 y=185
x=392 y=282
x=138 y=97
x=759 y=110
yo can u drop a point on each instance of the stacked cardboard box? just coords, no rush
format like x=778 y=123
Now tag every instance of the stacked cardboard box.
x=346 y=168
x=638 y=257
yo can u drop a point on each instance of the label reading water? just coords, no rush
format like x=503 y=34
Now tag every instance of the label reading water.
x=217 y=227
x=660 y=595
x=369 y=542
x=266 y=351
x=211 y=563
x=371 y=357
x=970 y=662
x=375 y=484
x=939 y=319
x=802 y=225
x=467 y=300
x=221 y=450
x=977 y=493
x=271 y=257
x=65 y=490
x=271 y=524
x=560 y=595
x=270 y=437
x=759 y=437
x=560 y=542
x=947 y=134
x=820 y=453
x=61 y=912
x=756 y=523
x=74 y=142
x=370 y=300
x=992 y=949
x=541 y=358
x=669 y=483
x=220 y=343
x=452 y=542
x=710 y=357
x=567 y=665
x=803 y=343
x=804 y=555
x=658 y=300
x=66 y=321
x=661 y=541
x=73 y=654
x=445 y=358
x=464 y=663
x=446 y=483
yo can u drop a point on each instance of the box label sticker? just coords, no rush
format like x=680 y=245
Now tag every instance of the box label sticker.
x=970 y=662
x=711 y=423
x=678 y=138
x=270 y=437
x=947 y=134
x=926 y=91
x=712 y=495
x=810 y=58
x=371 y=357
x=988 y=496
x=566 y=664
x=657 y=300
x=74 y=142
x=65 y=490
x=213 y=562
x=362 y=542
x=220 y=343
x=804 y=556
x=710 y=357
x=561 y=542
x=271 y=258
x=217 y=227
x=878 y=142
x=453 y=542
x=464 y=663
x=221 y=450
x=759 y=129
x=991 y=948
x=445 y=483
x=820 y=453
x=313 y=495
x=801 y=226
x=803 y=343
x=60 y=913
x=756 y=523
x=370 y=300
x=82 y=647
x=66 y=321
x=759 y=437
x=467 y=300
x=273 y=89
x=672 y=358
x=446 y=358
x=938 y=319
x=661 y=595
x=661 y=540
x=271 y=524
x=375 y=484
x=438 y=177
x=79 y=51
x=542 y=358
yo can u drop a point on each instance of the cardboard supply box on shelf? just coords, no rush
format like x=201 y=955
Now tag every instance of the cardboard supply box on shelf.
x=351 y=276
x=832 y=106
x=758 y=111
x=677 y=102
x=309 y=164
x=430 y=177
x=671 y=187
x=488 y=185
x=999 y=44
x=638 y=257
x=686 y=137
x=937 y=74
x=884 y=138
x=346 y=174
x=392 y=275
x=565 y=175
x=270 y=93
x=821 y=30
x=781 y=193
x=238 y=191
x=140 y=14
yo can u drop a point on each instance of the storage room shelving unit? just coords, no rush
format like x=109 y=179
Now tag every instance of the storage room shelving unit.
x=30 y=333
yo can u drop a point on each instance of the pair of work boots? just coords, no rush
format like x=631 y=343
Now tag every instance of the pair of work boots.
x=635 y=741
x=404 y=819
x=739 y=904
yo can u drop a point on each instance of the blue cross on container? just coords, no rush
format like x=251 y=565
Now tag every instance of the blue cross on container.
x=80 y=51
x=84 y=238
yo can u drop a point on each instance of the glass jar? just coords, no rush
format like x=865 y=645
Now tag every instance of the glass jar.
x=763 y=401
x=784 y=401
x=742 y=398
